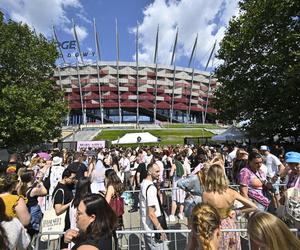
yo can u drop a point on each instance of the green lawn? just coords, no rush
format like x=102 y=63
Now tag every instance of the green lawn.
x=168 y=136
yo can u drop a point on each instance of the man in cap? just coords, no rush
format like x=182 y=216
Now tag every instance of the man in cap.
x=293 y=162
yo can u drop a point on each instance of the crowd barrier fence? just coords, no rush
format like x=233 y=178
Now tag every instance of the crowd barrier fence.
x=131 y=222
x=134 y=239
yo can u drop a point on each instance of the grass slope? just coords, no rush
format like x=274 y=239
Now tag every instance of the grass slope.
x=168 y=136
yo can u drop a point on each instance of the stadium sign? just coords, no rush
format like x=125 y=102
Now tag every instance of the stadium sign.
x=71 y=45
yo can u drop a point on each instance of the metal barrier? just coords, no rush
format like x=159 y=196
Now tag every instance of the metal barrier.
x=134 y=239
x=131 y=218
x=177 y=239
x=49 y=244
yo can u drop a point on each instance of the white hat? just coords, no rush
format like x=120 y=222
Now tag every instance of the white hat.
x=264 y=148
x=56 y=161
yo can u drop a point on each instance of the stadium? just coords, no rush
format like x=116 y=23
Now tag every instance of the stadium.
x=123 y=92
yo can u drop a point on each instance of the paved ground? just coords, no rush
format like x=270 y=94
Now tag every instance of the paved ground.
x=83 y=135
x=132 y=241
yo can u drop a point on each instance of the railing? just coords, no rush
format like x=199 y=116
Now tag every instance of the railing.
x=47 y=243
x=130 y=219
x=177 y=239
x=134 y=239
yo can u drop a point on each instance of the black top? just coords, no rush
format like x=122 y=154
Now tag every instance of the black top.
x=104 y=243
x=63 y=198
x=31 y=200
x=143 y=173
x=78 y=168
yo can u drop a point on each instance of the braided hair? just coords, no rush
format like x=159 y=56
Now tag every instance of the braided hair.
x=205 y=220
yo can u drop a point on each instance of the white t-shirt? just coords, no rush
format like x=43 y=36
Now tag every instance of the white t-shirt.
x=263 y=171
x=98 y=177
x=151 y=201
x=187 y=165
x=125 y=164
x=272 y=163
x=231 y=156
x=148 y=159
x=55 y=177
x=161 y=172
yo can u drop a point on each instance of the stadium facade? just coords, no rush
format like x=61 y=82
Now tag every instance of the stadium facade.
x=120 y=92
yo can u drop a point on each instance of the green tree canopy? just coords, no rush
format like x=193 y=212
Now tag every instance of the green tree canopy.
x=31 y=104
x=260 y=73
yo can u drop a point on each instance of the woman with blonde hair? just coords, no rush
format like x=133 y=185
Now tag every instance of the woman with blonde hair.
x=218 y=194
x=205 y=230
x=268 y=232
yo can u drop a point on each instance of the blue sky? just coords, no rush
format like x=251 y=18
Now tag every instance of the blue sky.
x=208 y=19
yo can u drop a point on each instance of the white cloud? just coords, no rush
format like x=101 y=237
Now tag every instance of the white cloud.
x=81 y=32
x=205 y=18
x=43 y=14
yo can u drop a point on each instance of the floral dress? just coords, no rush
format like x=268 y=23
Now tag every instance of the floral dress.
x=229 y=240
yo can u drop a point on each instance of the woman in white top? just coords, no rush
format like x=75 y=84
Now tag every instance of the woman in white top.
x=97 y=176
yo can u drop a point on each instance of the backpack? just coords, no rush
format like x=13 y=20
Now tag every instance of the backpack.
x=179 y=168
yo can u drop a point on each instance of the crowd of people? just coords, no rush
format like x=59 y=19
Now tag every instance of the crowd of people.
x=211 y=187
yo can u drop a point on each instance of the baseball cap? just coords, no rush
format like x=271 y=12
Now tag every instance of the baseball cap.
x=292 y=157
x=264 y=148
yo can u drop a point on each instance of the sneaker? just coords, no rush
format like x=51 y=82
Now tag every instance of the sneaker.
x=180 y=216
x=132 y=210
x=172 y=218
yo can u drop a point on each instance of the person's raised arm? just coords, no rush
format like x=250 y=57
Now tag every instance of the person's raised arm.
x=22 y=212
x=39 y=190
x=248 y=207
x=244 y=191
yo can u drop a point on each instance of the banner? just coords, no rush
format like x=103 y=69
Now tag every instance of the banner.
x=90 y=144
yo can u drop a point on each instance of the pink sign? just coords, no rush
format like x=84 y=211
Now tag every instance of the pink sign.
x=90 y=144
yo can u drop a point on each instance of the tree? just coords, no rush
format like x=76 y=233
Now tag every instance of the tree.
x=260 y=73
x=31 y=104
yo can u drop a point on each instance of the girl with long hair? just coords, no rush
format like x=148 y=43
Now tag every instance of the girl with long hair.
x=218 y=194
x=205 y=228
x=268 y=232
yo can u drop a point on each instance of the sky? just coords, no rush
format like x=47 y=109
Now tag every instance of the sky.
x=206 y=18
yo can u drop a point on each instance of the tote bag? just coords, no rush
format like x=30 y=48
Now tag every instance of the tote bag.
x=52 y=222
x=293 y=201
